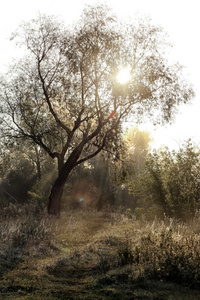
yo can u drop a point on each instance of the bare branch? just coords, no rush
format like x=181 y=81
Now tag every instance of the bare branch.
x=58 y=121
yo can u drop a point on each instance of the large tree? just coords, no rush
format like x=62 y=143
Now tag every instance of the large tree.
x=64 y=96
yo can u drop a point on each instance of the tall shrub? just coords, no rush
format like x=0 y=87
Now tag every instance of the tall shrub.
x=171 y=180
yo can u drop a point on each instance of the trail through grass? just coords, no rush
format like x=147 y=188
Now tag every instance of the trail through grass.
x=98 y=255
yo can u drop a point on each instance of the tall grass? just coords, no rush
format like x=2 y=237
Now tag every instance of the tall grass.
x=23 y=232
x=167 y=250
x=104 y=247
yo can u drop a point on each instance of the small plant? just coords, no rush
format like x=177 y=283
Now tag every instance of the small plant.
x=105 y=260
x=129 y=213
x=125 y=252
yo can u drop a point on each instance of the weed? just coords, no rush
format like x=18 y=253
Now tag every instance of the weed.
x=125 y=252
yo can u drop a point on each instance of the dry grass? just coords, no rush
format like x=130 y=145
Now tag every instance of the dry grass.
x=101 y=253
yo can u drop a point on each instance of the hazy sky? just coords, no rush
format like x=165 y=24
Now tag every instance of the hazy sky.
x=179 y=18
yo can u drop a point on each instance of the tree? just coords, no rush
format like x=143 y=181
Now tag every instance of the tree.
x=131 y=163
x=64 y=95
x=171 y=181
x=138 y=146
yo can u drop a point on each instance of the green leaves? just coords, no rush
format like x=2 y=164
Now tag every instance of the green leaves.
x=172 y=181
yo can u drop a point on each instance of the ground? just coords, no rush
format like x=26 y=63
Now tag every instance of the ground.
x=79 y=256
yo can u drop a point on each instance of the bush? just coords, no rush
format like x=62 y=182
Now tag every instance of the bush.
x=18 y=180
x=159 y=256
x=171 y=181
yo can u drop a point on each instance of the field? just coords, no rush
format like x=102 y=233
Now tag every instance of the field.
x=89 y=254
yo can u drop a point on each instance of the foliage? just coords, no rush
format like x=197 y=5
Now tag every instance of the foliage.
x=13 y=211
x=132 y=159
x=160 y=257
x=39 y=191
x=25 y=170
x=138 y=142
x=171 y=181
x=18 y=179
x=34 y=228
x=125 y=252
x=18 y=234
x=135 y=151
x=65 y=98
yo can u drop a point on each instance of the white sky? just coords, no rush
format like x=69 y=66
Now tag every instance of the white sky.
x=179 y=18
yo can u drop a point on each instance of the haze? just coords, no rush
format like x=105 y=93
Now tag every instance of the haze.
x=180 y=20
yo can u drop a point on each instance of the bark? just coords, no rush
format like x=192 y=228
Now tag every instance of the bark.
x=56 y=196
x=58 y=187
x=64 y=170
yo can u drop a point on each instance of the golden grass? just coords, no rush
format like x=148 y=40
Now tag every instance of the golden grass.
x=77 y=257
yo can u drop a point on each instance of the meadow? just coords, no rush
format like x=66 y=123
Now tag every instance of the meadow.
x=90 y=254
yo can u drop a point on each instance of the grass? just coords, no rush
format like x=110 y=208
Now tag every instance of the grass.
x=87 y=254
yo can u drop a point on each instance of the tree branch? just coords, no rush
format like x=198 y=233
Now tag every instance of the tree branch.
x=58 y=121
x=100 y=148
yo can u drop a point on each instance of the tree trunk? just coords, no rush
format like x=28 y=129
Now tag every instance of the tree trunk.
x=56 y=196
x=64 y=170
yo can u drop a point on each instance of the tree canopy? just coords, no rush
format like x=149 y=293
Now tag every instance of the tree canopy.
x=63 y=94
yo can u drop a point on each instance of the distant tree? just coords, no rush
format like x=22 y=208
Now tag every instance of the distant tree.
x=39 y=191
x=64 y=95
x=102 y=174
x=171 y=180
x=11 y=151
x=130 y=165
x=137 y=143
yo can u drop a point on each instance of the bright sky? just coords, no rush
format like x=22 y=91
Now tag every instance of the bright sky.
x=180 y=18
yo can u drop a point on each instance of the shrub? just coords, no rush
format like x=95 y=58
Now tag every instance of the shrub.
x=160 y=256
x=18 y=180
x=171 y=181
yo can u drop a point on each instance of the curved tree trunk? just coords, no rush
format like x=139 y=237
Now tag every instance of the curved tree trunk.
x=56 y=196
x=64 y=170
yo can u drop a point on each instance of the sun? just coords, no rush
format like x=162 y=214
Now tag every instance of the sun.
x=124 y=75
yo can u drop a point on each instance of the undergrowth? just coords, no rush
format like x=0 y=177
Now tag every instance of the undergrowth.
x=98 y=253
x=161 y=257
